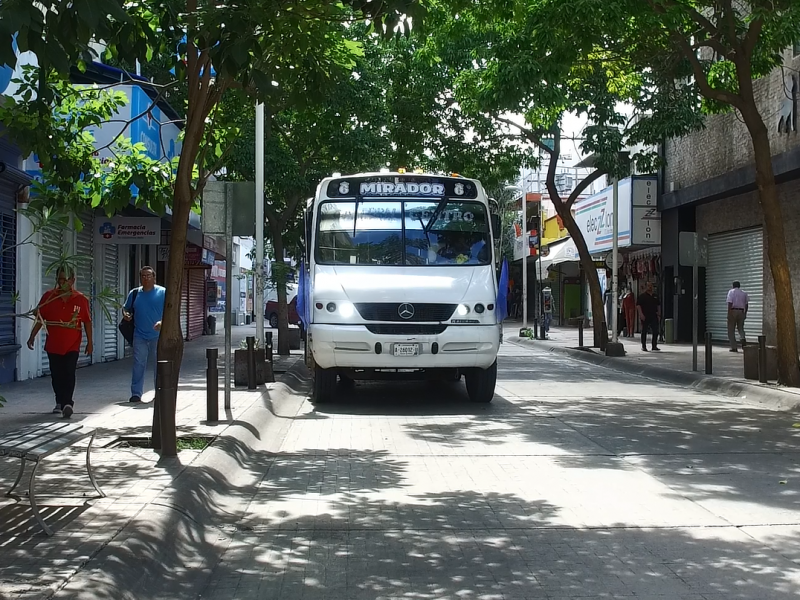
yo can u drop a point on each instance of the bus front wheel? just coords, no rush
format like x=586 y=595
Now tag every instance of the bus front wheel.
x=324 y=387
x=481 y=382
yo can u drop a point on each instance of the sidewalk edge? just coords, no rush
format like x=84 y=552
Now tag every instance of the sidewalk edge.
x=774 y=399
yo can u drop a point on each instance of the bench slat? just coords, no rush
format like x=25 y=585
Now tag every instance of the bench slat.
x=43 y=442
x=46 y=449
x=11 y=437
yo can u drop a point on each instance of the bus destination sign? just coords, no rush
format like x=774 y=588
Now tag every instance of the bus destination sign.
x=402 y=187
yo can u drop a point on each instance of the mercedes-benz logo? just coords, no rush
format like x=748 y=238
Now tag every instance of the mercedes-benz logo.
x=406 y=311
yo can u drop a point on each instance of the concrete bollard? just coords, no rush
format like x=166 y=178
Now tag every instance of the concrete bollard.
x=212 y=386
x=251 y=362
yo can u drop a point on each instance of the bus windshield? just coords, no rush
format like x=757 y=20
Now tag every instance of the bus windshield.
x=402 y=232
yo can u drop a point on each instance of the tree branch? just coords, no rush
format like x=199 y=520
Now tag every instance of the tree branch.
x=581 y=187
x=697 y=16
x=529 y=134
x=127 y=122
x=550 y=178
x=751 y=38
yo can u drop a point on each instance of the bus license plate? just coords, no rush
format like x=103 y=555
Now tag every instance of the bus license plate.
x=406 y=349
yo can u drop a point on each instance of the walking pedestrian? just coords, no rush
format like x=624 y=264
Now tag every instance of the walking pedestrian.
x=738 y=305
x=145 y=305
x=62 y=311
x=547 y=310
x=650 y=316
x=629 y=310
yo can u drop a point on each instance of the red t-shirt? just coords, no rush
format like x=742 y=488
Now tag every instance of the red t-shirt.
x=72 y=311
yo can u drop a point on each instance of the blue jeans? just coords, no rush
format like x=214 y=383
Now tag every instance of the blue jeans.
x=548 y=318
x=143 y=350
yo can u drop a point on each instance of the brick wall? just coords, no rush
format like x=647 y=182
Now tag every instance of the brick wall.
x=741 y=212
x=724 y=144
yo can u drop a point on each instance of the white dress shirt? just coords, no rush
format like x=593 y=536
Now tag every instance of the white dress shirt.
x=738 y=299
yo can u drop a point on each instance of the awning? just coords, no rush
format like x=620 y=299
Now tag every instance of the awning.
x=560 y=252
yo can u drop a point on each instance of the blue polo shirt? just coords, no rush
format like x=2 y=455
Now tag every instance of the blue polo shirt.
x=147 y=311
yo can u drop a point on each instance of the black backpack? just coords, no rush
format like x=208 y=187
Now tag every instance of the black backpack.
x=127 y=328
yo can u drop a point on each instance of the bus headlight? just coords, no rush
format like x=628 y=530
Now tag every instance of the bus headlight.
x=462 y=310
x=346 y=309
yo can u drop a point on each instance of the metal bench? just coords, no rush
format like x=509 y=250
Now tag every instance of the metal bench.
x=37 y=442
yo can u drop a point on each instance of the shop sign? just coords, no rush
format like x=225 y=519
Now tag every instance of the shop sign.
x=128 y=230
x=644 y=213
x=196 y=256
x=639 y=221
x=211 y=293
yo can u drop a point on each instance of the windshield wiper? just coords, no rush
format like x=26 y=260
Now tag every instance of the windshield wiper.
x=355 y=218
x=439 y=208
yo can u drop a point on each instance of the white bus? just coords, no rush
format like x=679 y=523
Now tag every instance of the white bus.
x=401 y=282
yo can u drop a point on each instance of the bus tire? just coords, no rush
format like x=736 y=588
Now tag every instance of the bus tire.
x=480 y=383
x=324 y=386
x=346 y=382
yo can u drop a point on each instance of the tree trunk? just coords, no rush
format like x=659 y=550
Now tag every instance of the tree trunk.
x=598 y=311
x=786 y=325
x=280 y=288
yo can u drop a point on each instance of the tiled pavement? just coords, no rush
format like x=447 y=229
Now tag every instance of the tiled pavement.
x=576 y=482
x=33 y=565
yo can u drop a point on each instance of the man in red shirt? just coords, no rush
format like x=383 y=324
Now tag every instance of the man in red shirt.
x=62 y=311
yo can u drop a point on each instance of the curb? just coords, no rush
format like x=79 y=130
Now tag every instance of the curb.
x=773 y=399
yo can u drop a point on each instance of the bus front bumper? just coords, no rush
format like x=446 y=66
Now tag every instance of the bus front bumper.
x=355 y=347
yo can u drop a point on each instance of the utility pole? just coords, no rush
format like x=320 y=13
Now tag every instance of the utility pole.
x=258 y=280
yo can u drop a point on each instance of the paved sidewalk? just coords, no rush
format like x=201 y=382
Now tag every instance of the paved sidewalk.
x=35 y=566
x=672 y=364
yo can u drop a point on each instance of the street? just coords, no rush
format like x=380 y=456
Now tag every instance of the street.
x=576 y=482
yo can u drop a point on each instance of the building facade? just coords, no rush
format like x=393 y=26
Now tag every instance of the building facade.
x=108 y=252
x=708 y=187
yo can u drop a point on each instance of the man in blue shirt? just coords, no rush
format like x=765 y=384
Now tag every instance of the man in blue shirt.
x=145 y=305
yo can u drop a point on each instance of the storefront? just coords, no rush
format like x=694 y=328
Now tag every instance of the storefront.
x=735 y=256
x=193 y=291
x=13 y=186
x=639 y=235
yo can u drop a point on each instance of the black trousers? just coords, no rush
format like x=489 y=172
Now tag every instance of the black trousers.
x=62 y=373
x=647 y=325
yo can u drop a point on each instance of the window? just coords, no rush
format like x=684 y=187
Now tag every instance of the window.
x=401 y=233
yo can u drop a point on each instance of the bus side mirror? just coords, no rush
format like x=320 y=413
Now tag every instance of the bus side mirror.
x=496 y=226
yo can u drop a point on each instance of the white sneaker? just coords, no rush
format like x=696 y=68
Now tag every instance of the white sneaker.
x=57 y=410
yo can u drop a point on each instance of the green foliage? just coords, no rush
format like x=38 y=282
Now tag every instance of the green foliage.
x=74 y=176
x=705 y=48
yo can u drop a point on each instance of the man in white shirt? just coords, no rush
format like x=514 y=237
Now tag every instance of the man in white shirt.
x=738 y=303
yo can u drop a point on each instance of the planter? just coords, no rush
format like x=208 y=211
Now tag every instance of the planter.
x=240 y=367
x=294 y=337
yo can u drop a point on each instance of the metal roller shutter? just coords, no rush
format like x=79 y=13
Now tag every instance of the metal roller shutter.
x=111 y=283
x=52 y=245
x=185 y=304
x=735 y=256
x=8 y=262
x=84 y=277
x=197 y=297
